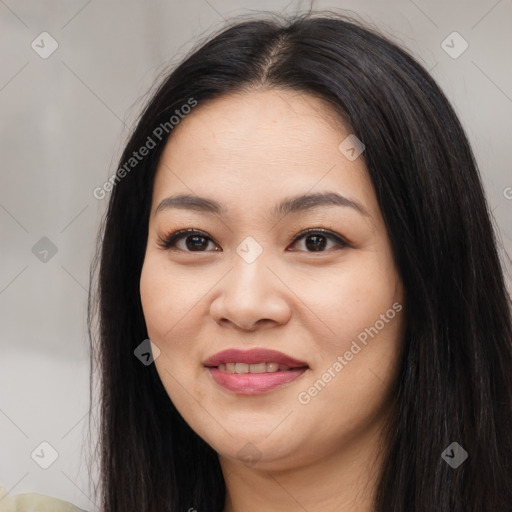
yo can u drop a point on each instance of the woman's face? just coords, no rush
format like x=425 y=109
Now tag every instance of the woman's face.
x=258 y=170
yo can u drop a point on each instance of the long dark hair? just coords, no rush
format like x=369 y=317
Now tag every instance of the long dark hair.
x=455 y=381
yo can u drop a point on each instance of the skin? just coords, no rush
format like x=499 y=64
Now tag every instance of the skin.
x=250 y=151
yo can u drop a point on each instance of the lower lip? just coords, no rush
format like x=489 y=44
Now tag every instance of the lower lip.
x=254 y=383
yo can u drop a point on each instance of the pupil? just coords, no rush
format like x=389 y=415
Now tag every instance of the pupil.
x=319 y=242
x=199 y=242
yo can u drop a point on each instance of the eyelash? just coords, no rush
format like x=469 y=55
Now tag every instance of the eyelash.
x=168 y=241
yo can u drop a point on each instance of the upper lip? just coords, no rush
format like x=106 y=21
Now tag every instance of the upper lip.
x=253 y=356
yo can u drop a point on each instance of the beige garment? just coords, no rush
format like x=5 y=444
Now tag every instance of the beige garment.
x=33 y=503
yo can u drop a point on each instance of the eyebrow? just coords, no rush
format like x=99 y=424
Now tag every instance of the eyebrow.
x=295 y=204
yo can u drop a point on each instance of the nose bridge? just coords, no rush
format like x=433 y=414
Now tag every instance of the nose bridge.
x=249 y=274
x=250 y=292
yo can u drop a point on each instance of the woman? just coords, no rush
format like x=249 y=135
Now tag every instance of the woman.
x=299 y=227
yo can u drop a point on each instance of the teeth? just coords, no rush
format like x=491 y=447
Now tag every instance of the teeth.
x=256 y=368
x=252 y=368
x=272 y=367
x=241 y=368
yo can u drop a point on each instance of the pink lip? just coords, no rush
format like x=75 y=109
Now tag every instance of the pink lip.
x=253 y=383
x=253 y=356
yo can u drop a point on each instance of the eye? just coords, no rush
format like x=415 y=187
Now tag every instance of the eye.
x=195 y=241
x=315 y=240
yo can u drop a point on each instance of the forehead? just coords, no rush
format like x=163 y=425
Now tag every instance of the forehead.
x=248 y=120
x=260 y=145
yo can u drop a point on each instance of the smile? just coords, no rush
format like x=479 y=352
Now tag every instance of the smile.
x=253 y=368
x=254 y=371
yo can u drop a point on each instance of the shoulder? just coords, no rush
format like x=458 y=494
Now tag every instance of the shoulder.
x=33 y=502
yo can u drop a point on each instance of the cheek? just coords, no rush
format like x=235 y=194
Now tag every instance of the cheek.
x=173 y=309
x=156 y=299
x=352 y=303
x=359 y=360
x=169 y=304
x=166 y=298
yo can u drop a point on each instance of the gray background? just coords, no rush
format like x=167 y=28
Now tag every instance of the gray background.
x=63 y=124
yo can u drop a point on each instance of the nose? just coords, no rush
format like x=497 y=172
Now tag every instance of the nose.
x=251 y=297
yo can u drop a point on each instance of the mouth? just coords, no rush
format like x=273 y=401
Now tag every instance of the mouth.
x=263 y=367
x=253 y=371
